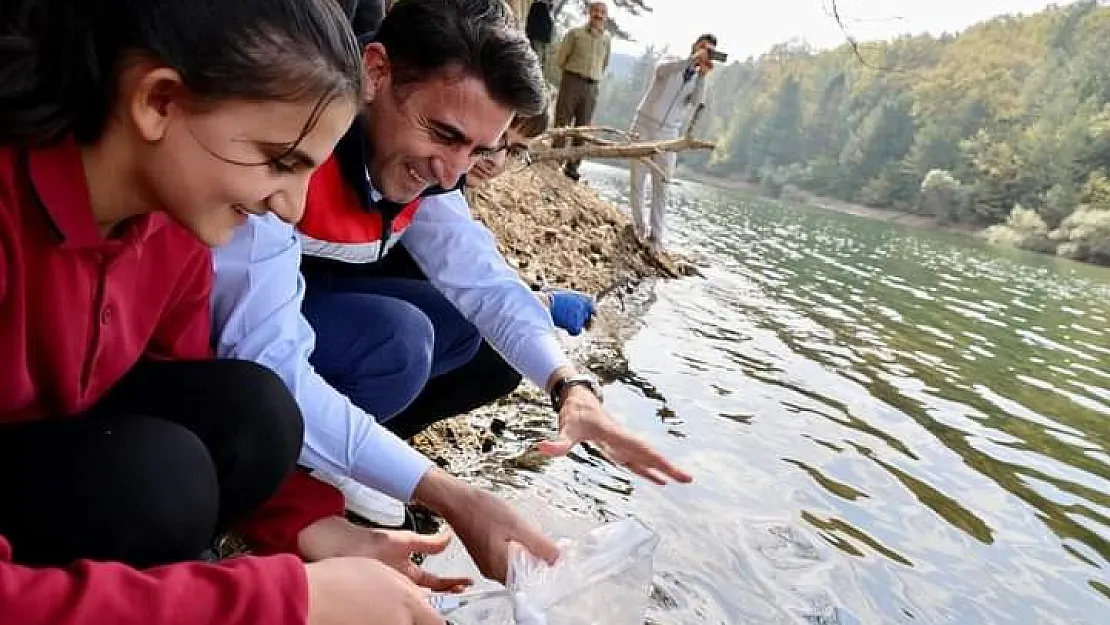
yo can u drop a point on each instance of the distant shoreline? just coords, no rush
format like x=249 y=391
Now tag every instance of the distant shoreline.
x=839 y=206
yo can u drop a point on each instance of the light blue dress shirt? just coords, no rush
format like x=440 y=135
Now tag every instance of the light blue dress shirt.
x=257 y=316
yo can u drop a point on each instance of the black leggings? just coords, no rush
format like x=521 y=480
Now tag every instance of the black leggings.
x=175 y=454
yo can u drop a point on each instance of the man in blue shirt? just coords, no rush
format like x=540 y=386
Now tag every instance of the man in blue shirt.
x=398 y=170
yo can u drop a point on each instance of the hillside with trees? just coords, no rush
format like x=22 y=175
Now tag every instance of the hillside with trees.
x=1005 y=124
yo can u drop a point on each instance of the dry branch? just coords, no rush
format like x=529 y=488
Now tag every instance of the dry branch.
x=584 y=130
x=654 y=167
x=622 y=150
x=600 y=148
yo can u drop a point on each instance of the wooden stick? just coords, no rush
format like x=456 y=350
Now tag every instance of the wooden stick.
x=694 y=119
x=652 y=164
x=582 y=130
x=592 y=139
x=623 y=150
x=610 y=149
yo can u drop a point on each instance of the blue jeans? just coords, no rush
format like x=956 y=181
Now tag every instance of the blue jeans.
x=379 y=340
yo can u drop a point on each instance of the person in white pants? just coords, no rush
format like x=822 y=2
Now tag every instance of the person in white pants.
x=677 y=87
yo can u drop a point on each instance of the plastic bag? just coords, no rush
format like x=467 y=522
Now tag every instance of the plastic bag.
x=602 y=577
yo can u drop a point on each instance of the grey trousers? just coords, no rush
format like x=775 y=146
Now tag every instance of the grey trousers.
x=574 y=107
x=640 y=171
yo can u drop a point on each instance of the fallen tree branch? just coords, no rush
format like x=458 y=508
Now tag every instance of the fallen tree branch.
x=571 y=131
x=621 y=150
x=602 y=148
x=655 y=167
x=694 y=119
x=599 y=141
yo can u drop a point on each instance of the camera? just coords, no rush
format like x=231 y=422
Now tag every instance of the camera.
x=717 y=56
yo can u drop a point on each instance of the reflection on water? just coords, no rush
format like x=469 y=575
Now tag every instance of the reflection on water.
x=885 y=424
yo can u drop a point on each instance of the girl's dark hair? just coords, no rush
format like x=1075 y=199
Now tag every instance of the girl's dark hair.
x=60 y=59
x=532 y=126
x=425 y=38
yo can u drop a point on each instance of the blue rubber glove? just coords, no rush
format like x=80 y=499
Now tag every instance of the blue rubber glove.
x=571 y=310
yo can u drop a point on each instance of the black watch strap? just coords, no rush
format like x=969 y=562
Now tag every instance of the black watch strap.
x=559 y=389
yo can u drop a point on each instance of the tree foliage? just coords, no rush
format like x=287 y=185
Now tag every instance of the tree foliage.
x=571 y=13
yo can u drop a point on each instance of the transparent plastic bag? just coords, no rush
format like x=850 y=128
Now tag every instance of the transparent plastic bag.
x=601 y=577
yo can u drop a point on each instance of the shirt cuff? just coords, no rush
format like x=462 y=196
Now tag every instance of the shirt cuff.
x=542 y=359
x=390 y=465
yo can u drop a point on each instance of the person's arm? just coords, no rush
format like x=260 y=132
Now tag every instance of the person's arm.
x=608 y=50
x=257 y=312
x=701 y=95
x=5 y=229
x=185 y=330
x=241 y=591
x=566 y=47
x=666 y=69
x=277 y=525
x=460 y=257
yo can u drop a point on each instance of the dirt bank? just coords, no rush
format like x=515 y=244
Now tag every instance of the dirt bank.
x=561 y=233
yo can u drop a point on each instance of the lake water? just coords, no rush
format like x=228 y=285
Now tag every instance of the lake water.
x=886 y=424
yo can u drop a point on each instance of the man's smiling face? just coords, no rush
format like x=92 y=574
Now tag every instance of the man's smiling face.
x=429 y=132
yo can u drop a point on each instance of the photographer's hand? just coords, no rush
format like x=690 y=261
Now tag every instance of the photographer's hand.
x=701 y=57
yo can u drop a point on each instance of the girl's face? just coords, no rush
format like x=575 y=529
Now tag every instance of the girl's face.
x=211 y=167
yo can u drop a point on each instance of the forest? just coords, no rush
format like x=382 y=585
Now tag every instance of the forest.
x=1006 y=124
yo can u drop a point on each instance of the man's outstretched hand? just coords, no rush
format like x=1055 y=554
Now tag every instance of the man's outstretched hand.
x=583 y=418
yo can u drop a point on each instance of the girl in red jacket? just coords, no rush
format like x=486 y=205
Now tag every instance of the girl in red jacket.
x=134 y=134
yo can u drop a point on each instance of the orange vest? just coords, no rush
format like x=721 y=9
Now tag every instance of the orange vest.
x=338 y=224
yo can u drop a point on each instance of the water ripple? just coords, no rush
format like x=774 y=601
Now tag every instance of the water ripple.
x=886 y=425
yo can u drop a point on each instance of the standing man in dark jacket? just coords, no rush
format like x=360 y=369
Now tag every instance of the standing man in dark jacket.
x=540 y=28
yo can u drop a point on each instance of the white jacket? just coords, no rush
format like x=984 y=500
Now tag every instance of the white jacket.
x=669 y=100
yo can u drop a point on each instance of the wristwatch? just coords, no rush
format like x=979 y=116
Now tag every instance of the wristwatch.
x=582 y=379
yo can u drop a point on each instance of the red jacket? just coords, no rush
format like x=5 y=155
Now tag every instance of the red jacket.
x=76 y=312
x=242 y=591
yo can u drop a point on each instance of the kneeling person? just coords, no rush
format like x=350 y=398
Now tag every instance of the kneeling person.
x=431 y=112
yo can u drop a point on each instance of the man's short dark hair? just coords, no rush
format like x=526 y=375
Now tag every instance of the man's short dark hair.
x=469 y=37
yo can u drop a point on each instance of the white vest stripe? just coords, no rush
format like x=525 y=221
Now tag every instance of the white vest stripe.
x=355 y=253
